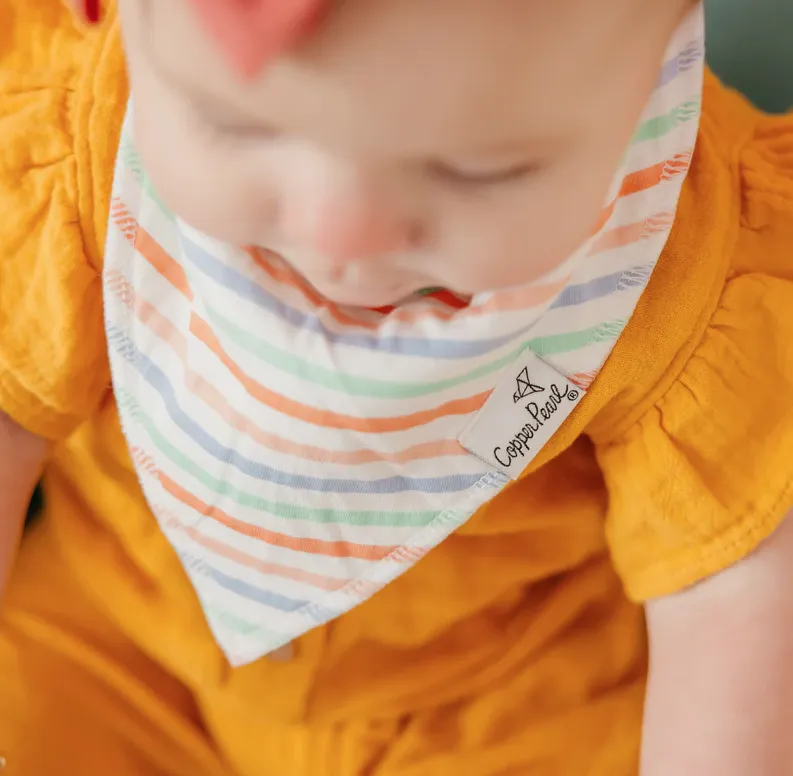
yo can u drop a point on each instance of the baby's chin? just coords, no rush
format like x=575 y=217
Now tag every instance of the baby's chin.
x=372 y=296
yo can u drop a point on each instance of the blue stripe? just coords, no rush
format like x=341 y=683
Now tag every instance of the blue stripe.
x=153 y=375
x=685 y=60
x=223 y=275
x=244 y=589
x=606 y=285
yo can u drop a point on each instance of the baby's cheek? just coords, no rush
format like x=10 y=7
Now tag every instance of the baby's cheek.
x=560 y=222
x=517 y=242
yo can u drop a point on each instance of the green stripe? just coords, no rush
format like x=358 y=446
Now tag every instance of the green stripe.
x=659 y=126
x=279 y=509
x=132 y=161
x=232 y=622
x=341 y=381
x=555 y=344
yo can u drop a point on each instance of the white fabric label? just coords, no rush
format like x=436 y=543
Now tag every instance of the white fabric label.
x=524 y=411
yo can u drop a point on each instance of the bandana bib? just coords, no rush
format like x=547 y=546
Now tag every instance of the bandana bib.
x=299 y=456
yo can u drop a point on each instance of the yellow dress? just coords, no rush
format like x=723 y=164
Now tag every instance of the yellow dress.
x=512 y=648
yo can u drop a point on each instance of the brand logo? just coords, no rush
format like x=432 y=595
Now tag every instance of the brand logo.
x=539 y=413
x=523 y=412
x=525 y=386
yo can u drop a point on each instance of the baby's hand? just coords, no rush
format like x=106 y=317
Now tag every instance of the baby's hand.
x=21 y=459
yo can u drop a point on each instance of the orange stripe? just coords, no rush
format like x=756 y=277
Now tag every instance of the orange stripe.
x=509 y=299
x=618 y=238
x=631 y=233
x=156 y=255
x=364 y=588
x=209 y=394
x=325 y=418
x=583 y=380
x=311 y=546
x=147 y=314
x=271 y=569
x=643 y=180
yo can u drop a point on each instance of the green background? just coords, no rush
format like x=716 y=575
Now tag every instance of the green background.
x=750 y=46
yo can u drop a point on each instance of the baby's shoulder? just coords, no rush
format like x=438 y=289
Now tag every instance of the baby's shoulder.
x=62 y=98
x=727 y=266
x=695 y=425
x=42 y=43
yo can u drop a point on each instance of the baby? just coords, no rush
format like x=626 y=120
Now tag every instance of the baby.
x=401 y=374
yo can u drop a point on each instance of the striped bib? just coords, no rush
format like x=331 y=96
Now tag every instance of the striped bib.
x=298 y=456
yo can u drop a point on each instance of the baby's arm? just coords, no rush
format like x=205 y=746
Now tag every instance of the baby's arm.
x=21 y=459
x=720 y=693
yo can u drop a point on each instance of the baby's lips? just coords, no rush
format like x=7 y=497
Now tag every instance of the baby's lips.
x=250 y=33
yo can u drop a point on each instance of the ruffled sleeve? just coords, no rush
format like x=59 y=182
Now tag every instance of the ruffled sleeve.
x=706 y=471
x=53 y=369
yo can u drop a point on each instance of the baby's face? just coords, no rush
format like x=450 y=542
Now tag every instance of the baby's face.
x=467 y=144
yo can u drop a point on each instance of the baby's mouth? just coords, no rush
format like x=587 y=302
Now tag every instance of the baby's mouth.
x=356 y=286
x=371 y=295
x=361 y=284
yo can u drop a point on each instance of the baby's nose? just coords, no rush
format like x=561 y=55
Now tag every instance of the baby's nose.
x=348 y=223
